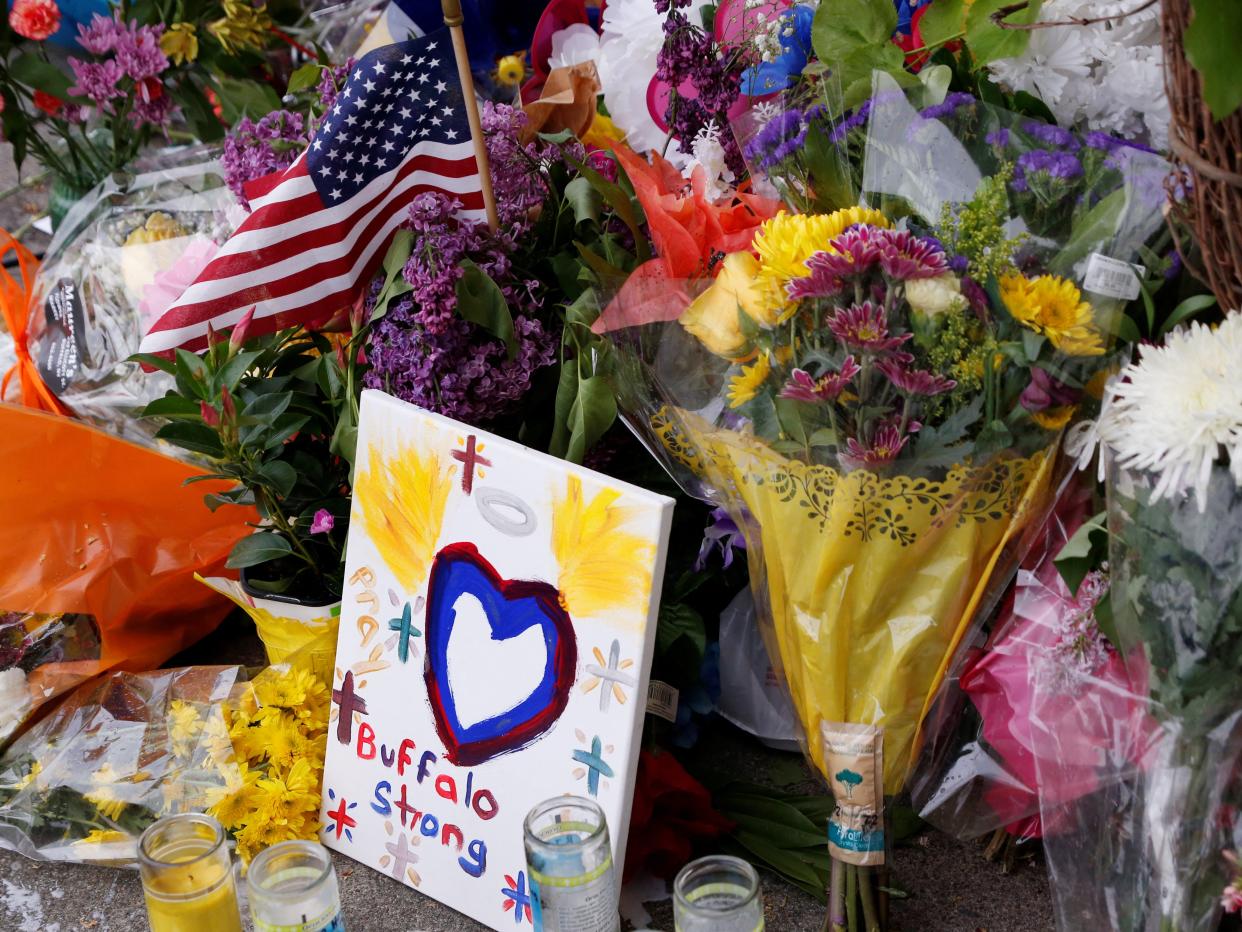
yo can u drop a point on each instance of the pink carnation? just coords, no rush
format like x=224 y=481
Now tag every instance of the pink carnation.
x=34 y=19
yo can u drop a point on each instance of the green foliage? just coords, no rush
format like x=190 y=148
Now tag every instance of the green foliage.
x=481 y=302
x=1212 y=41
x=277 y=418
x=976 y=229
x=988 y=41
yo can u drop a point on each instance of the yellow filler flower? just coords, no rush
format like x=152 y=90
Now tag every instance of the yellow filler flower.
x=243 y=26
x=1053 y=306
x=180 y=43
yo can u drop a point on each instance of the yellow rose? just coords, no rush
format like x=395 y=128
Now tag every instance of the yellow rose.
x=713 y=316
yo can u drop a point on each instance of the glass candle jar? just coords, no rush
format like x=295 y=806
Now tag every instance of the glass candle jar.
x=717 y=894
x=187 y=876
x=569 y=859
x=292 y=888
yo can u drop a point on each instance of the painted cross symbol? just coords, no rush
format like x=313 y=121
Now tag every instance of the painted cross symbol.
x=342 y=819
x=402 y=856
x=517 y=898
x=596 y=767
x=470 y=459
x=609 y=676
x=349 y=702
x=405 y=626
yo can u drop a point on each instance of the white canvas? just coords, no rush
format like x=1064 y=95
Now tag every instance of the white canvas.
x=497 y=623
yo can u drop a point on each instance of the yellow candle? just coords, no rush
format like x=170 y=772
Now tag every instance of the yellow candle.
x=187 y=876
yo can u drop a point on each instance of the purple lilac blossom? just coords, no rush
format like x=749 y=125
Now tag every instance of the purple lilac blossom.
x=253 y=150
x=331 y=80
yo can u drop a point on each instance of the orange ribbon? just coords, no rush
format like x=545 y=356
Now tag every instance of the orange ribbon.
x=16 y=298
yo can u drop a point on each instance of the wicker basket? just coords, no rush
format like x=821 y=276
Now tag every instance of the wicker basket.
x=1209 y=154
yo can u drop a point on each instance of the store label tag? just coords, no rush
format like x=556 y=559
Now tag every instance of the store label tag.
x=1113 y=278
x=662 y=701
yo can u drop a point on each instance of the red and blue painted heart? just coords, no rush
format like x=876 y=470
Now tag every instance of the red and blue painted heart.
x=512 y=607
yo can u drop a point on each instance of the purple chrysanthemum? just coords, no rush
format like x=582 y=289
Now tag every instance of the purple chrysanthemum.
x=849 y=254
x=864 y=327
x=884 y=447
x=802 y=386
x=904 y=256
x=914 y=381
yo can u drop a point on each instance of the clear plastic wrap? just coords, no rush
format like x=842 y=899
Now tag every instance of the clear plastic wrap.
x=41 y=657
x=881 y=524
x=1147 y=851
x=117 y=262
x=83 y=783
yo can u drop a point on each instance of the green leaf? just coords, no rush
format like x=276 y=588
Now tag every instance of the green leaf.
x=266 y=408
x=280 y=476
x=943 y=20
x=566 y=395
x=1212 y=41
x=1188 y=308
x=1096 y=228
x=285 y=427
x=197 y=438
x=395 y=284
x=1127 y=330
x=988 y=41
x=676 y=621
x=842 y=27
x=191 y=374
x=198 y=113
x=240 y=97
x=593 y=412
x=41 y=75
x=935 y=80
x=228 y=375
x=173 y=406
x=1083 y=552
x=306 y=76
x=830 y=171
x=1032 y=343
x=480 y=301
x=162 y=363
x=616 y=197
x=777 y=858
x=585 y=201
x=262 y=547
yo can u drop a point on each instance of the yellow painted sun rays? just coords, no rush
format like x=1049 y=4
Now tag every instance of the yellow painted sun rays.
x=401 y=502
x=603 y=566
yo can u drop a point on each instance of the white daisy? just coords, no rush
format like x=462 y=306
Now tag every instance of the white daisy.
x=1178 y=411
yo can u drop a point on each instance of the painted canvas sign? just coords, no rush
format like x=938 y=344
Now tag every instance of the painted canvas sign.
x=495 y=641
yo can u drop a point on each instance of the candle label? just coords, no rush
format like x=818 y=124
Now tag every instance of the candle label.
x=586 y=903
x=330 y=920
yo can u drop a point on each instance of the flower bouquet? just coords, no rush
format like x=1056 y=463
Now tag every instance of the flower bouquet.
x=876 y=394
x=129 y=748
x=1171 y=432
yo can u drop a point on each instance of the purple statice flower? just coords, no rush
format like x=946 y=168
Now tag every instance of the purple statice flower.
x=422 y=351
x=1057 y=165
x=914 y=381
x=998 y=138
x=780 y=138
x=864 y=327
x=852 y=122
x=721 y=534
x=1045 y=392
x=884 y=447
x=1175 y=266
x=949 y=106
x=802 y=386
x=253 y=150
x=1051 y=135
x=904 y=256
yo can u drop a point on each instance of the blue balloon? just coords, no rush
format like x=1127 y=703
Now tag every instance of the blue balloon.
x=771 y=76
x=492 y=28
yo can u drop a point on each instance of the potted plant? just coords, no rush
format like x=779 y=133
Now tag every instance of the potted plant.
x=277 y=416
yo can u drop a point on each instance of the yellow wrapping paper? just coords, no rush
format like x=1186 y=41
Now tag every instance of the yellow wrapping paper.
x=871 y=580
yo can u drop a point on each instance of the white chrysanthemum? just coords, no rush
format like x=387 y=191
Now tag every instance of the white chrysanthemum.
x=1178 y=410
x=1053 y=58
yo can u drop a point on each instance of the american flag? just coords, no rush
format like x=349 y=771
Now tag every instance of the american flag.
x=318 y=229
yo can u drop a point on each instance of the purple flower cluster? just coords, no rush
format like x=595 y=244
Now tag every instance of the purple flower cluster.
x=689 y=57
x=949 y=106
x=422 y=350
x=1059 y=166
x=1052 y=135
x=136 y=55
x=900 y=255
x=253 y=150
x=520 y=188
x=998 y=138
x=780 y=138
x=331 y=80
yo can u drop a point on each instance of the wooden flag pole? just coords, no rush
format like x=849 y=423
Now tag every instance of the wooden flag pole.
x=453 y=19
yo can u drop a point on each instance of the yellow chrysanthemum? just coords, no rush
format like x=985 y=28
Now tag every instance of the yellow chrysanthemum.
x=180 y=43
x=159 y=226
x=35 y=769
x=786 y=241
x=1053 y=418
x=109 y=806
x=1053 y=306
x=184 y=726
x=746 y=384
x=242 y=26
x=102 y=836
x=604 y=133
